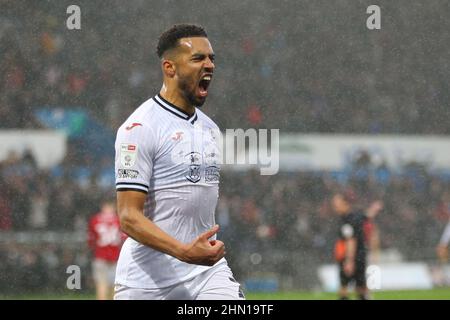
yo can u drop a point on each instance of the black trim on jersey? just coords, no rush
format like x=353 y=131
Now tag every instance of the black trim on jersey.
x=195 y=119
x=173 y=106
x=167 y=109
x=132 y=183
x=131 y=189
x=166 y=105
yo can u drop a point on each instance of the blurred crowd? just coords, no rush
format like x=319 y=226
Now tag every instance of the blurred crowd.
x=289 y=208
x=58 y=199
x=298 y=66
x=287 y=213
x=35 y=201
x=41 y=267
x=293 y=211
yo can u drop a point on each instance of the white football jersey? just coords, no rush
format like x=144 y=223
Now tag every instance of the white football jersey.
x=174 y=158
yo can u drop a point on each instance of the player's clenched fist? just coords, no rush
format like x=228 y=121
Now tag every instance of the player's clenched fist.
x=203 y=251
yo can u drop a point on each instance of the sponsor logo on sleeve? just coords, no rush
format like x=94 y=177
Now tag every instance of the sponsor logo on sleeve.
x=128 y=154
x=212 y=174
x=133 y=125
x=127 y=174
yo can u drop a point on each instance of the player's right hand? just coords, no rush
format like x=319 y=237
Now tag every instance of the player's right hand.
x=203 y=251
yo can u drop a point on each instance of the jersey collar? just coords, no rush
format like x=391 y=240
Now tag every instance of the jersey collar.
x=166 y=105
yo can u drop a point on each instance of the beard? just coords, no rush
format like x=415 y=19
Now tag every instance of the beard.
x=189 y=93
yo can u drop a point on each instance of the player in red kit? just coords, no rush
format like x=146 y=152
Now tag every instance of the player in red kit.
x=105 y=240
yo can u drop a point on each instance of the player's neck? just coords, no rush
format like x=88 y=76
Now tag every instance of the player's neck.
x=174 y=97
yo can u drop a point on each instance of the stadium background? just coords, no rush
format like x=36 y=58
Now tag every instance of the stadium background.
x=304 y=67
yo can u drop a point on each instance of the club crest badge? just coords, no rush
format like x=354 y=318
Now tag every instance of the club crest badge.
x=194 y=160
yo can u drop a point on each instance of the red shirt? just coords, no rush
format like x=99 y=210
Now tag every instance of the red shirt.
x=105 y=237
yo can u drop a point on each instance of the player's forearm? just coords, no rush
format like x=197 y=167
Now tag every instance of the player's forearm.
x=143 y=230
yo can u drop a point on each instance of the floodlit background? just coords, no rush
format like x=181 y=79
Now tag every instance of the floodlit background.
x=355 y=107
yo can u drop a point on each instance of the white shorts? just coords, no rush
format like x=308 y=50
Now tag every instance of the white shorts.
x=104 y=271
x=214 y=284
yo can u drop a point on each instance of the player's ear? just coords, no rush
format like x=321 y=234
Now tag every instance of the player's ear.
x=169 y=68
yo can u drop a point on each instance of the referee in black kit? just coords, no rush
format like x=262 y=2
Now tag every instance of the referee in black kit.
x=352 y=244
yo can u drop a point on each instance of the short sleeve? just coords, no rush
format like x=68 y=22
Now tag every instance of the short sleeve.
x=135 y=145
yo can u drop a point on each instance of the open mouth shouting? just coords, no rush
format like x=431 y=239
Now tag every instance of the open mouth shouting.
x=203 y=85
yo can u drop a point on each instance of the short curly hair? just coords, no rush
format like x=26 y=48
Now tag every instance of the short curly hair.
x=169 y=39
